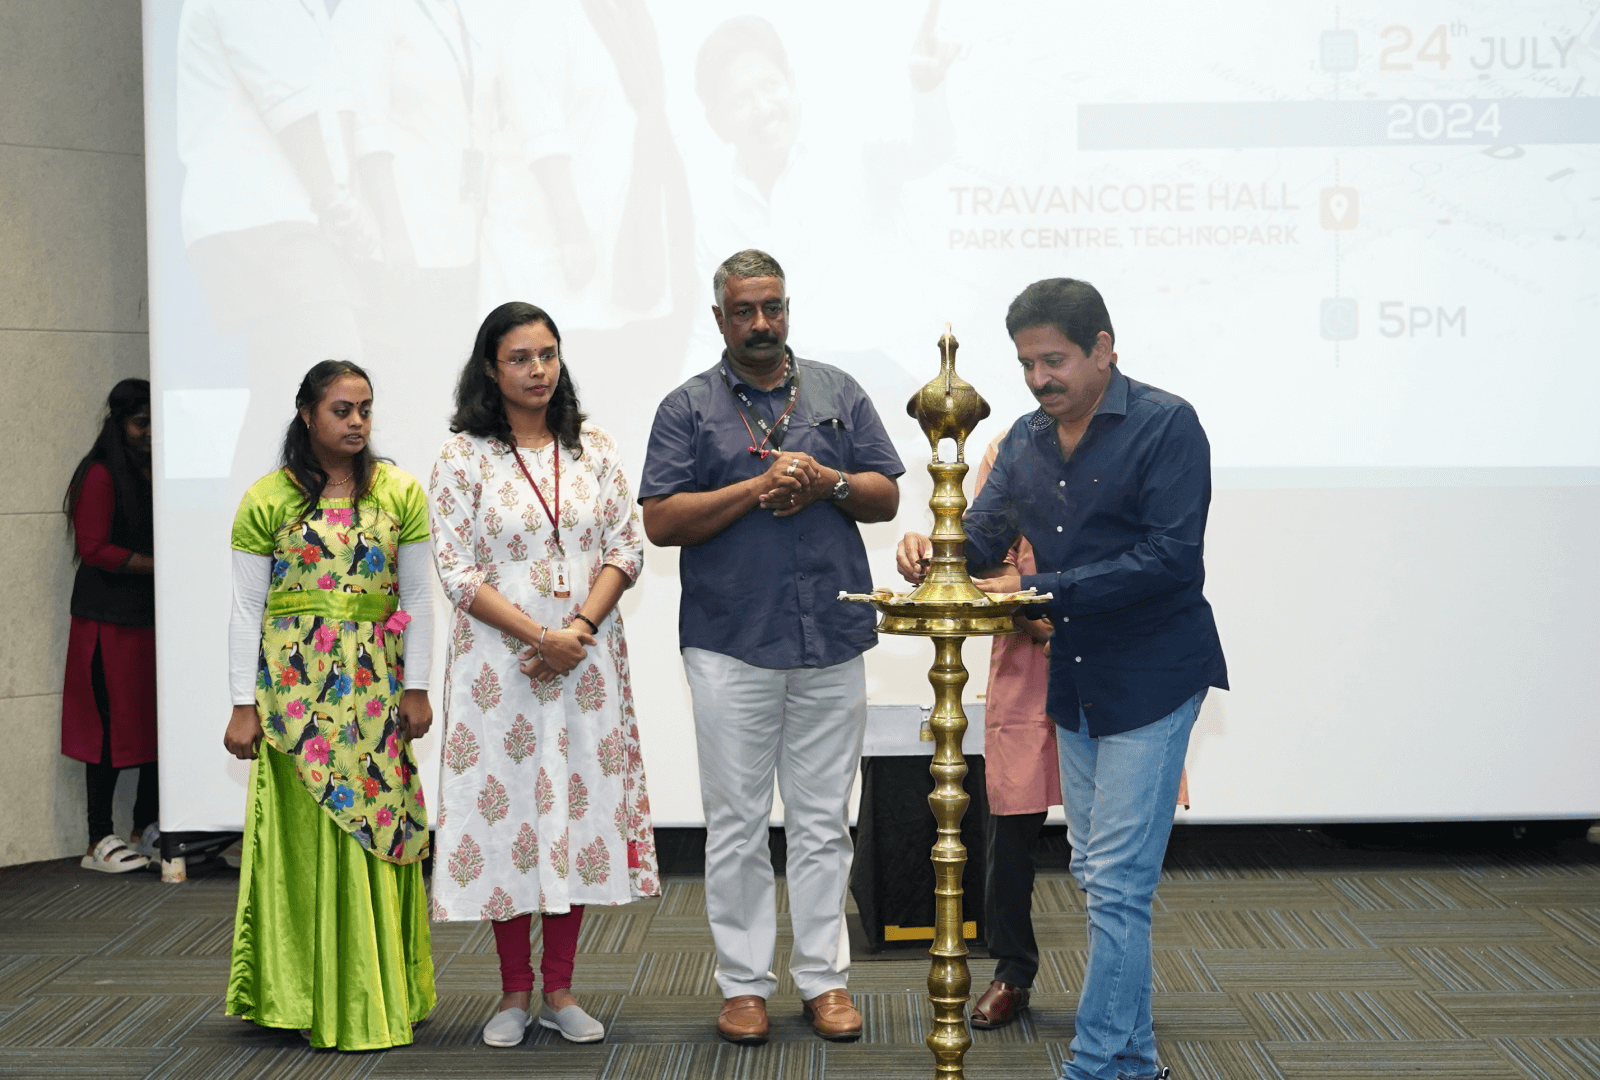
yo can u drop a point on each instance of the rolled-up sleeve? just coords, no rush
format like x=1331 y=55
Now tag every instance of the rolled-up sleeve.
x=669 y=465
x=871 y=448
x=279 y=54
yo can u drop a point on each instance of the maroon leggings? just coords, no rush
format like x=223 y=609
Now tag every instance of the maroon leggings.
x=513 y=941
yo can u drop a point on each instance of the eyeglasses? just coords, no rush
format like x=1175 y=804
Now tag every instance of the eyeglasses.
x=520 y=363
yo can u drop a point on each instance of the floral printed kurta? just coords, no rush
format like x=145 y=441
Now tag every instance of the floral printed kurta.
x=329 y=673
x=541 y=802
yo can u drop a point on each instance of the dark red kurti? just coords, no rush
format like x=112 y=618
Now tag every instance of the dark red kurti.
x=127 y=652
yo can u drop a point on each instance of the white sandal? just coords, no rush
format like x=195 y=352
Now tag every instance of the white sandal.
x=112 y=856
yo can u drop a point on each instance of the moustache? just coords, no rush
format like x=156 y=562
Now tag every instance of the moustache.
x=755 y=340
x=1049 y=388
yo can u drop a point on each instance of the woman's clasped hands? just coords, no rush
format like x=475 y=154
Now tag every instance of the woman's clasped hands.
x=560 y=652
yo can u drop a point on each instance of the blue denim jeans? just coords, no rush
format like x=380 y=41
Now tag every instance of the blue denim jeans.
x=1120 y=793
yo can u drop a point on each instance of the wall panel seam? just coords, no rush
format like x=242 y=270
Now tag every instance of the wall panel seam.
x=74 y=149
x=66 y=330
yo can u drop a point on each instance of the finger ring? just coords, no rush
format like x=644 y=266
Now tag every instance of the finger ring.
x=792 y=464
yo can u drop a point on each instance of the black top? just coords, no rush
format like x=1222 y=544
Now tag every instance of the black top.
x=106 y=535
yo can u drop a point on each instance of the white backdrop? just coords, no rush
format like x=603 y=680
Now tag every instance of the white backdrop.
x=1363 y=239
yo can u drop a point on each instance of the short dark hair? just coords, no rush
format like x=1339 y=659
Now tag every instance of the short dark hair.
x=749 y=263
x=479 y=408
x=729 y=41
x=1073 y=307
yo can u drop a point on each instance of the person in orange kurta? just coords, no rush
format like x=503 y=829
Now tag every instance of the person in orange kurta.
x=108 y=696
x=1023 y=781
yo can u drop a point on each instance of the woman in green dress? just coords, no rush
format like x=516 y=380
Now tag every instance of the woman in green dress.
x=332 y=588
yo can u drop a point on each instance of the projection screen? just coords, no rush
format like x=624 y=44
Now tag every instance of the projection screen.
x=1363 y=239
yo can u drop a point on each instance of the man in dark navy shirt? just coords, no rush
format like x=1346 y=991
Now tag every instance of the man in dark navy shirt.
x=1110 y=481
x=759 y=469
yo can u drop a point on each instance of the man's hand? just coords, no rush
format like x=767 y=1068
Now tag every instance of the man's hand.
x=930 y=57
x=1003 y=579
x=912 y=557
x=1039 y=630
x=416 y=714
x=800 y=482
x=243 y=733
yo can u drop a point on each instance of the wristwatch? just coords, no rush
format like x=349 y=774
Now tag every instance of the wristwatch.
x=841 y=489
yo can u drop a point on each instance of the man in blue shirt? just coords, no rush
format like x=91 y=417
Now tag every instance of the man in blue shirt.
x=759 y=469
x=1109 y=480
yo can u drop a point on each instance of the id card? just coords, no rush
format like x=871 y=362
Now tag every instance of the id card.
x=560 y=579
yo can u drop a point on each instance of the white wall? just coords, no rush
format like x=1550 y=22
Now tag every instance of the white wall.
x=72 y=322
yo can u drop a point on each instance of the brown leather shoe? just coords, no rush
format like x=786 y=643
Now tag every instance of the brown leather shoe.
x=743 y=1020
x=999 y=1005
x=834 y=1016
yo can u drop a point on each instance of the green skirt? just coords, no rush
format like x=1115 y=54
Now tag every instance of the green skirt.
x=327 y=937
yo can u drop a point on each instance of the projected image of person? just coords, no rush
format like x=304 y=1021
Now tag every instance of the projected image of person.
x=268 y=211
x=108 y=697
x=588 y=205
x=542 y=801
x=330 y=651
x=1109 y=480
x=760 y=469
x=422 y=102
x=811 y=192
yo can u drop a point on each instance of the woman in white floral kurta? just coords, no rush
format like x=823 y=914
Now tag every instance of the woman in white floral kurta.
x=541 y=803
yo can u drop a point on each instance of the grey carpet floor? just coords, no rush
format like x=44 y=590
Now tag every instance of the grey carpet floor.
x=1281 y=953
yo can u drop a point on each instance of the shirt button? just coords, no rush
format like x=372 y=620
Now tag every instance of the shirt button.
x=1061 y=483
x=1058 y=528
x=1077 y=659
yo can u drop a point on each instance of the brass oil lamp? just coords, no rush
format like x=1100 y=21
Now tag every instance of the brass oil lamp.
x=948 y=608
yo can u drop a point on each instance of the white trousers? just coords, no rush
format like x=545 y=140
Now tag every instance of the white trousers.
x=804 y=726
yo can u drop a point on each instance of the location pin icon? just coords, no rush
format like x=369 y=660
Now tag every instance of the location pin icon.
x=1339 y=203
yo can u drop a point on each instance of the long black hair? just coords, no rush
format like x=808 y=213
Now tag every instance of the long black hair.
x=479 y=408
x=129 y=485
x=298 y=456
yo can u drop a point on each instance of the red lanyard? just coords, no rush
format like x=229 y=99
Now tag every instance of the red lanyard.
x=555 y=453
x=777 y=431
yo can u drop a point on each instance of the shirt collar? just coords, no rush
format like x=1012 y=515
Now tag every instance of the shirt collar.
x=735 y=380
x=1114 y=401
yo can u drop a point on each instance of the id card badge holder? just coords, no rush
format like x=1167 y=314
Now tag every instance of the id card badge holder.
x=560 y=579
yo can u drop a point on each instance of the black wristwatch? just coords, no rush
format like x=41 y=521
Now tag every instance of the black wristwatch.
x=841 y=489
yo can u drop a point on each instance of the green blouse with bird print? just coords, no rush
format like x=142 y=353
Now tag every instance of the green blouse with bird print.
x=330 y=670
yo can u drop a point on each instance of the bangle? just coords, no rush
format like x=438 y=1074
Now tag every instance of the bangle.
x=585 y=618
x=538 y=650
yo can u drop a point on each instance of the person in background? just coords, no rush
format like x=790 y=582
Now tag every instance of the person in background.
x=1023 y=778
x=542 y=802
x=108 y=698
x=332 y=594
